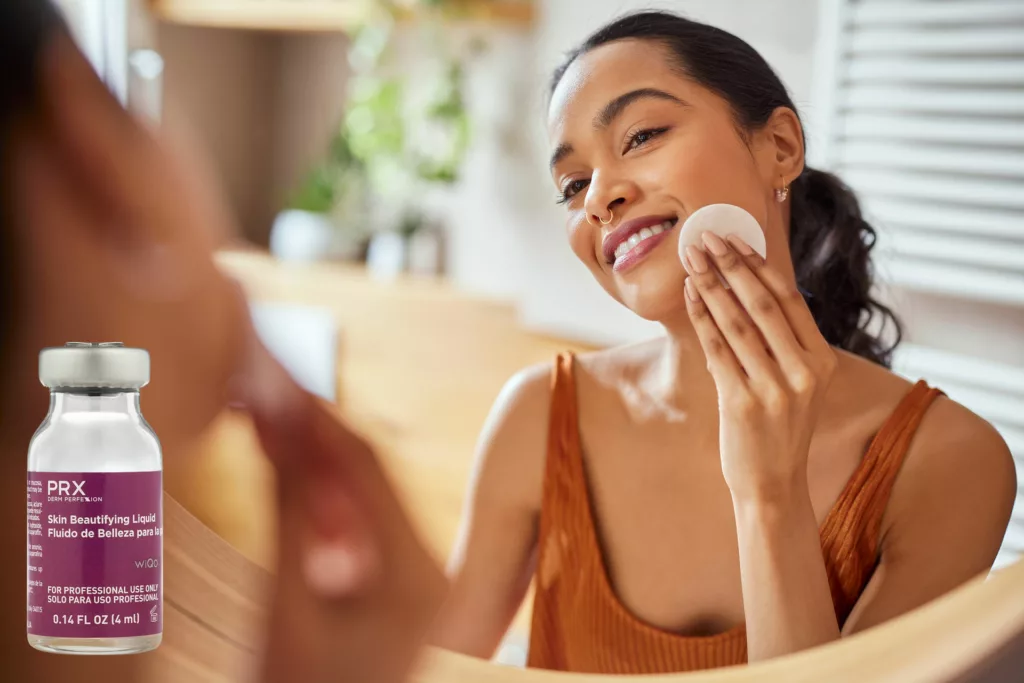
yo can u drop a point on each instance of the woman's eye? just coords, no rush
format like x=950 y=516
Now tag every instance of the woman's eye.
x=571 y=189
x=642 y=137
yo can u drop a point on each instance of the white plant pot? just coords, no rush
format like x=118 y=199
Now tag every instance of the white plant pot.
x=303 y=236
x=386 y=256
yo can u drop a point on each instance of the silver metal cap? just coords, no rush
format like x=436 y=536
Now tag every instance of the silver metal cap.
x=106 y=365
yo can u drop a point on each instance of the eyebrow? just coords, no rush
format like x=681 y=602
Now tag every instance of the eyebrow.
x=613 y=109
x=561 y=152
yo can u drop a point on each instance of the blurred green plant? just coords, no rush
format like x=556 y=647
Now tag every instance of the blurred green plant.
x=375 y=149
x=325 y=185
x=448 y=110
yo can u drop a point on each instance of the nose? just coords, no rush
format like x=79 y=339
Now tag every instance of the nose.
x=605 y=198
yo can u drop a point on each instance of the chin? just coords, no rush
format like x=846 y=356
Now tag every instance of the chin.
x=653 y=290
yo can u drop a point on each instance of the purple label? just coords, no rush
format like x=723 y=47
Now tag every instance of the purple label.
x=95 y=554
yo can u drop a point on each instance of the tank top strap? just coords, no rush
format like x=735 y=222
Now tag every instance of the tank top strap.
x=850 y=533
x=564 y=467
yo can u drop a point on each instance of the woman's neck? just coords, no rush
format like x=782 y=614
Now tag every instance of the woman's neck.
x=678 y=378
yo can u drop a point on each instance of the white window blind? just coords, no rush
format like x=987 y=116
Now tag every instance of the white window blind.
x=919 y=106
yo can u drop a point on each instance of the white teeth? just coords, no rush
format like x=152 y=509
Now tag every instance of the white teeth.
x=638 y=237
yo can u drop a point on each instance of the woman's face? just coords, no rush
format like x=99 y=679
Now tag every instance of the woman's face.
x=636 y=144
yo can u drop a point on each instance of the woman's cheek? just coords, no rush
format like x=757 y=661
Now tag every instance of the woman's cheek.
x=696 y=167
x=695 y=180
x=582 y=239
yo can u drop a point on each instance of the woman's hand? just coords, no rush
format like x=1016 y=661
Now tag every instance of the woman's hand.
x=771 y=367
x=355 y=590
x=770 y=364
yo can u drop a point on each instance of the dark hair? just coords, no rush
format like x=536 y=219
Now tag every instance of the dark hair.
x=830 y=242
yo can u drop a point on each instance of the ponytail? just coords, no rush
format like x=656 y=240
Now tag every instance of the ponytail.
x=831 y=243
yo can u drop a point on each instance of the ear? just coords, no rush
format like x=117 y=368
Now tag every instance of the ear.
x=783 y=147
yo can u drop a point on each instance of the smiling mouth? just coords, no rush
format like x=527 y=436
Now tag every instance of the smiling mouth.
x=634 y=245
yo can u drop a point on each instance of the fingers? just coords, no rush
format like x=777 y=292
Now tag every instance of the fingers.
x=775 y=307
x=743 y=269
x=339 y=554
x=794 y=307
x=322 y=621
x=716 y=306
x=264 y=388
x=340 y=557
x=722 y=362
x=789 y=325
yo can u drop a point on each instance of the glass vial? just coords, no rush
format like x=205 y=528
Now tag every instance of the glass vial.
x=95 y=506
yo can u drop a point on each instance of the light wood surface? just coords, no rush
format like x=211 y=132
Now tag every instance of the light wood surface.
x=313 y=15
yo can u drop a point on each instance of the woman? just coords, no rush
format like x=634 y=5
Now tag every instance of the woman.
x=105 y=235
x=755 y=483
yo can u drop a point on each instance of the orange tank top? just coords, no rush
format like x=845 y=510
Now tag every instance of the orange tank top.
x=578 y=622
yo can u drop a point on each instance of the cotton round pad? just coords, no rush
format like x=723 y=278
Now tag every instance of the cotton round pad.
x=723 y=220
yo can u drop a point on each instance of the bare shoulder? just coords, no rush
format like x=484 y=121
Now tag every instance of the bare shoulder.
x=960 y=454
x=957 y=482
x=950 y=436
x=512 y=447
x=524 y=397
x=513 y=444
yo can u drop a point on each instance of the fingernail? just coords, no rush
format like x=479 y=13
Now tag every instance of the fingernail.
x=714 y=244
x=740 y=246
x=691 y=290
x=697 y=260
x=334 y=570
